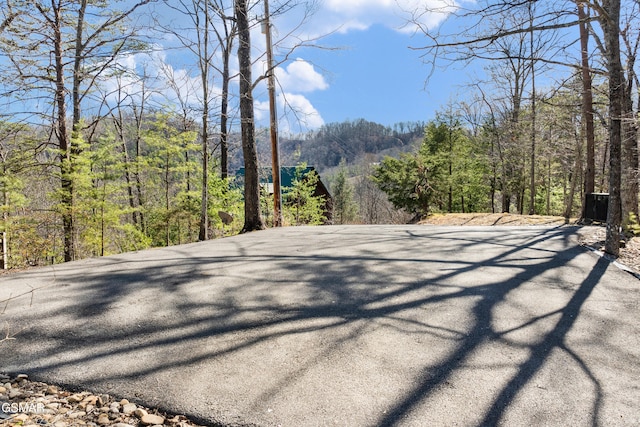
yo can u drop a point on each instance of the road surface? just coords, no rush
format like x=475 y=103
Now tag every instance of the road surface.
x=343 y=326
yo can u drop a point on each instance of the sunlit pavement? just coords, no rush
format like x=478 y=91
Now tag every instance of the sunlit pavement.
x=345 y=326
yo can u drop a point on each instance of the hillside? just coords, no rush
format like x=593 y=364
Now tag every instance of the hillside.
x=325 y=148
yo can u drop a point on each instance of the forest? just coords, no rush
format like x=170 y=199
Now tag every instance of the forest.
x=98 y=158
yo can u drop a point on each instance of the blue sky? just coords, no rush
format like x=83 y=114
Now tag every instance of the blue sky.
x=376 y=77
x=374 y=74
x=369 y=73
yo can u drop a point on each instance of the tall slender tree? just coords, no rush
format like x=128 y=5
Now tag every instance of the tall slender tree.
x=252 y=215
x=226 y=33
x=610 y=21
x=630 y=36
x=587 y=103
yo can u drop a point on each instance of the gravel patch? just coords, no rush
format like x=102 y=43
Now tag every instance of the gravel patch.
x=27 y=403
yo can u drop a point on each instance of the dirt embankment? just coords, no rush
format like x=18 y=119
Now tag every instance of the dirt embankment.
x=493 y=219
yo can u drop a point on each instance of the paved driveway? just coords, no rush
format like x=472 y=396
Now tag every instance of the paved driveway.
x=343 y=326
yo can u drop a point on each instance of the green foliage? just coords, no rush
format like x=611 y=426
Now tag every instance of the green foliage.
x=22 y=228
x=99 y=204
x=224 y=197
x=406 y=182
x=11 y=197
x=345 y=209
x=127 y=237
x=301 y=206
x=34 y=240
x=632 y=224
x=169 y=170
x=446 y=174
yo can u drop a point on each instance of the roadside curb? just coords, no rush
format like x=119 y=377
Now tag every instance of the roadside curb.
x=613 y=261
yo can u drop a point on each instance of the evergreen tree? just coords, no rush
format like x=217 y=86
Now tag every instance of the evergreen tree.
x=345 y=209
x=446 y=173
x=407 y=181
x=174 y=217
x=301 y=206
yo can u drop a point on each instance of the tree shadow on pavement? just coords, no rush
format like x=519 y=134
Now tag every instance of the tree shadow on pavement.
x=119 y=324
x=483 y=331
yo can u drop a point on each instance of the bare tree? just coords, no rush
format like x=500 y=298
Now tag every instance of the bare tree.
x=127 y=105
x=60 y=48
x=630 y=35
x=197 y=38
x=609 y=17
x=587 y=103
x=226 y=34
x=252 y=218
x=478 y=38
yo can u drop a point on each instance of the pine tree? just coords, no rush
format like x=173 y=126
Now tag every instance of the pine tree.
x=345 y=209
x=301 y=206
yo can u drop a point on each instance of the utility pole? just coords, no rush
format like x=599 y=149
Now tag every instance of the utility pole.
x=275 y=157
x=532 y=184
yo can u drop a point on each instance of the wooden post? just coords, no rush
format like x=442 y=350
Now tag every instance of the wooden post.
x=5 y=256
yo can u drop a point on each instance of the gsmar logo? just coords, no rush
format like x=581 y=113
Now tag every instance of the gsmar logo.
x=22 y=407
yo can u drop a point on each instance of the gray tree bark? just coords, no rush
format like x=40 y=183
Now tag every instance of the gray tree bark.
x=610 y=21
x=252 y=218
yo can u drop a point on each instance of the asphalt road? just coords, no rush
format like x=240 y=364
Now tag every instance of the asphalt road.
x=343 y=326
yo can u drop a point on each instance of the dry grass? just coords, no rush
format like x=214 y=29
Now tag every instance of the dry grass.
x=493 y=219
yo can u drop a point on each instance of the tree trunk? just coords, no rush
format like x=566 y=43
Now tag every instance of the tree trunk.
x=252 y=217
x=203 y=233
x=587 y=108
x=629 y=186
x=630 y=160
x=532 y=175
x=118 y=121
x=4 y=261
x=574 y=179
x=224 y=114
x=611 y=25
x=62 y=135
x=127 y=176
x=139 y=194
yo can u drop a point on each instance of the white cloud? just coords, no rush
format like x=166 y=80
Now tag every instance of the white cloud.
x=400 y=15
x=299 y=113
x=300 y=76
x=163 y=84
x=295 y=113
x=261 y=111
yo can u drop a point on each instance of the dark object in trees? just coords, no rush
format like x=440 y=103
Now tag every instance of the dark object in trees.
x=596 y=207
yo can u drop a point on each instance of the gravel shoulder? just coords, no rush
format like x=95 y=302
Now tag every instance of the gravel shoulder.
x=25 y=403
